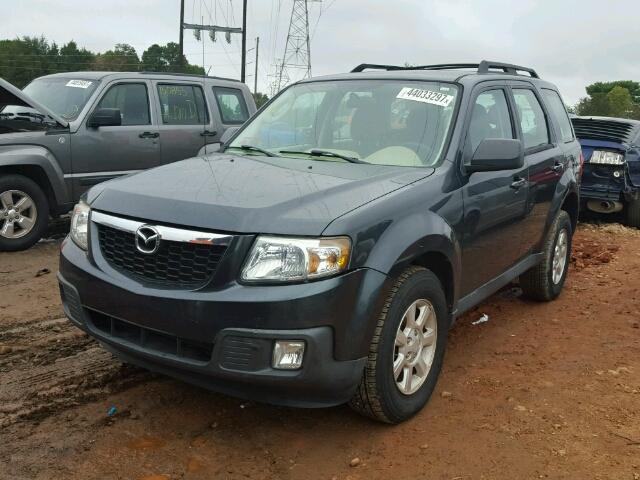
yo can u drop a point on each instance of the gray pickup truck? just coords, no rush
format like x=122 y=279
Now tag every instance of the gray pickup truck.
x=66 y=132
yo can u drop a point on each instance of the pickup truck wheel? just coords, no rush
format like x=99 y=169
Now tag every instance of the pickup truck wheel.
x=406 y=353
x=24 y=213
x=633 y=213
x=544 y=282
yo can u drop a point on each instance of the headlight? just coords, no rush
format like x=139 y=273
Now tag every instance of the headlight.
x=606 y=158
x=280 y=259
x=80 y=224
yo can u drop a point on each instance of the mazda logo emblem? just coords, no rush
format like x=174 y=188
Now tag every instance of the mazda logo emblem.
x=147 y=239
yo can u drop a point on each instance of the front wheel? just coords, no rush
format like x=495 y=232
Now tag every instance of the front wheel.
x=544 y=282
x=406 y=353
x=24 y=213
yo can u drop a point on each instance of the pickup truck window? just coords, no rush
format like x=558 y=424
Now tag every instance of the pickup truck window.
x=231 y=104
x=182 y=105
x=532 y=120
x=490 y=118
x=64 y=96
x=131 y=99
x=385 y=122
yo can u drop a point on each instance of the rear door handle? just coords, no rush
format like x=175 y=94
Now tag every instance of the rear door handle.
x=208 y=133
x=558 y=167
x=149 y=135
x=518 y=183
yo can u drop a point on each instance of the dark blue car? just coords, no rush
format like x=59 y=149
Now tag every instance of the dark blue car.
x=611 y=176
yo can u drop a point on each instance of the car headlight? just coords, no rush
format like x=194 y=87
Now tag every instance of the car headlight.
x=281 y=259
x=606 y=158
x=80 y=225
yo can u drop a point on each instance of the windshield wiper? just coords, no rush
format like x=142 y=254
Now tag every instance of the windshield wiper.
x=252 y=148
x=324 y=153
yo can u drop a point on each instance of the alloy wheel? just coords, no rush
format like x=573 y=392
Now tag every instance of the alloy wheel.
x=18 y=214
x=415 y=346
x=560 y=256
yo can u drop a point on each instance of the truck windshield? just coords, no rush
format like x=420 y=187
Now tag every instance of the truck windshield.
x=64 y=96
x=403 y=123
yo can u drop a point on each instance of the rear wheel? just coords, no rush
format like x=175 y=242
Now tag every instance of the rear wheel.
x=406 y=353
x=633 y=213
x=544 y=282
x=24 y=213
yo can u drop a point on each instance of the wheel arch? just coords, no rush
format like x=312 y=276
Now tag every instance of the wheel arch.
x=39 y=165
x=571 y=205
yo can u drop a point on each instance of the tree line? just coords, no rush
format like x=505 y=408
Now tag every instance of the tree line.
x=611 y=99
x=23 y=59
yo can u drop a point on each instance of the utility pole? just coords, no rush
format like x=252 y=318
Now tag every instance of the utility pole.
x=181 y=59
x=243 y=69
x=255 y=79
x=212 y=29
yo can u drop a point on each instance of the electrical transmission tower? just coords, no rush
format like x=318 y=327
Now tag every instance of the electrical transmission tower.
x=297 y=50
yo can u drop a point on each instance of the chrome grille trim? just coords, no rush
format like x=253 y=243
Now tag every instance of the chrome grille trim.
x=166 y=233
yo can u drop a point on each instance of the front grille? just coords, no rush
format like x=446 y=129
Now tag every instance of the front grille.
x=175 y=265
x=150 y=339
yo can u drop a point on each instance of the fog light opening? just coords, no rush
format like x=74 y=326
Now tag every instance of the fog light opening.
x=288 y=354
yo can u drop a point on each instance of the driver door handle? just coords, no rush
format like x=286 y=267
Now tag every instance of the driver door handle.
x=208 y=133
x=518 y=183
x=149 y=135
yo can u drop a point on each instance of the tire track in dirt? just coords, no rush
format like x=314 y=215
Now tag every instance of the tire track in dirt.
x=47 y=365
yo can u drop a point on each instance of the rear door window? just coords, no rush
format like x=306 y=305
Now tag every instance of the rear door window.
x=231 y=104
x=182 y=105
x=132 y=101
x=557 y=110
x=533 y=123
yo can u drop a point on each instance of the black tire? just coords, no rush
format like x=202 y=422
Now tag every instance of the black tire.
x=633 y=213
x=41 y=205
x=378 y=396
x=537 y=283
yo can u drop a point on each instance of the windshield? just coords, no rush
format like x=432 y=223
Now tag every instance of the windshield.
x=382 y=122
x=64 y=96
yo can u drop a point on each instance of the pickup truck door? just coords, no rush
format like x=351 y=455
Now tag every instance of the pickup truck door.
x=494 y=202
x=184 y=118
x=544 y=157
x=99 y=154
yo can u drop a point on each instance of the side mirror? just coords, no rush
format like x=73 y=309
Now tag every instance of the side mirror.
x=228 y=133
x=495 y=154
x=105 y=117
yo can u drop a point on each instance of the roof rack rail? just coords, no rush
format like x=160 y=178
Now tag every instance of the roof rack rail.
x=483 y=67
x=191 y=75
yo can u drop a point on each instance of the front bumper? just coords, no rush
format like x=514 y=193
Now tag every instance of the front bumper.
x=223 y=339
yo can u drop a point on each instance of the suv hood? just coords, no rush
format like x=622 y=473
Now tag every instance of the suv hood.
x=11 y=95
x=231 y=193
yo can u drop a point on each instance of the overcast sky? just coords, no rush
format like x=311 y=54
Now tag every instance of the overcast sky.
x=569 y=42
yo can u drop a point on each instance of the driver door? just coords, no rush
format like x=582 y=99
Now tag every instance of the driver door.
x=103 y=153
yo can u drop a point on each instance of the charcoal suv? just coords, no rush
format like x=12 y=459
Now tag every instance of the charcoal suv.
x=321 y=256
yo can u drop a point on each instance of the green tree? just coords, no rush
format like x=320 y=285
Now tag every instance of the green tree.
x=260 y=99
x=620 y=102
x=123 y=58
x=605 y=87
x=73 y=59
x=167 y=58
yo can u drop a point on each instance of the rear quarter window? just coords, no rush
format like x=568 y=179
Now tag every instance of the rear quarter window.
x=559 y=113
x=231 y=105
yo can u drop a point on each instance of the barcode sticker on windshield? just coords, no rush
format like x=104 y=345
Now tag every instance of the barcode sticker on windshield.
x=79 y=83
x=425 y=96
